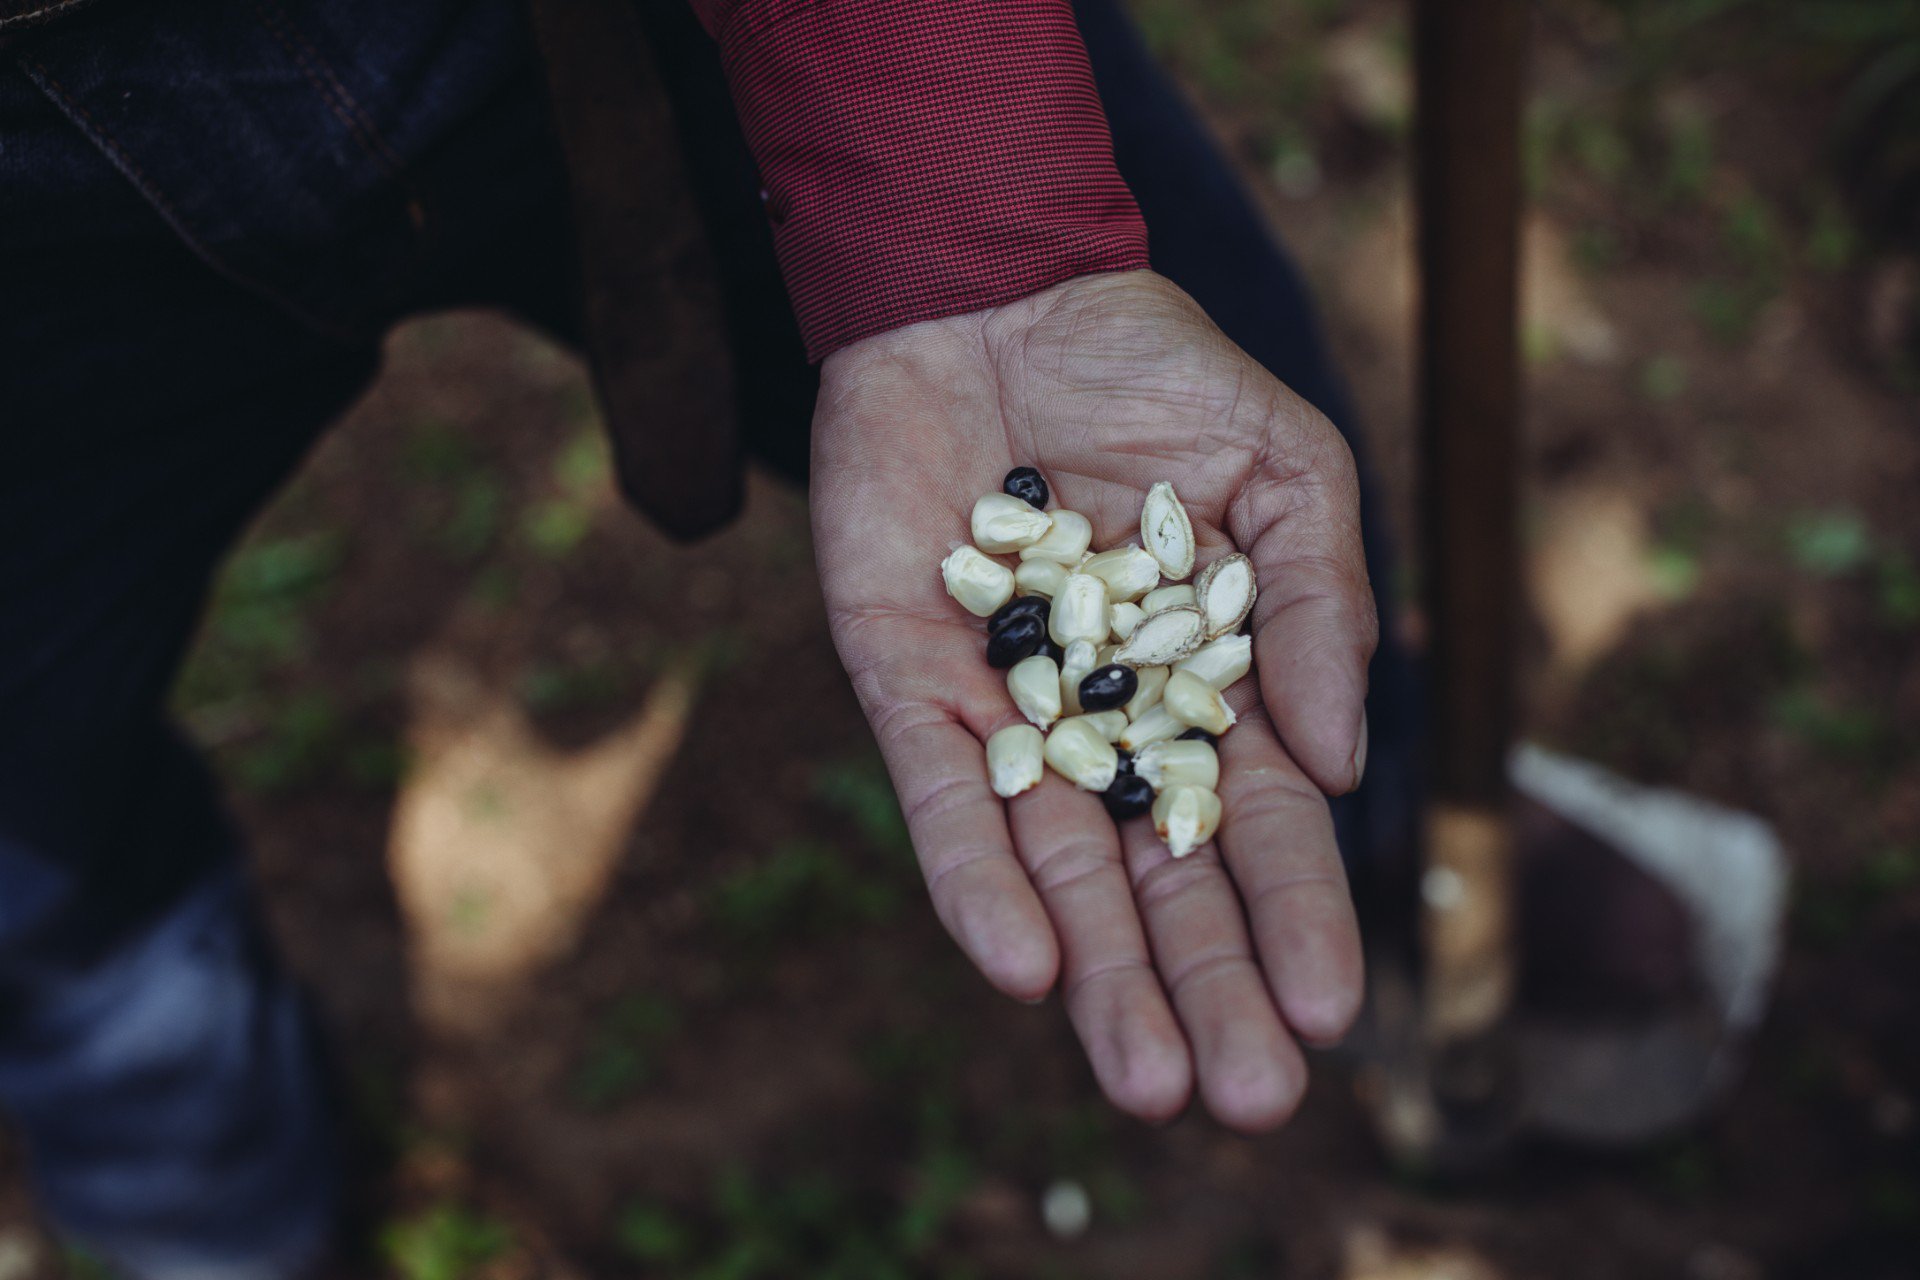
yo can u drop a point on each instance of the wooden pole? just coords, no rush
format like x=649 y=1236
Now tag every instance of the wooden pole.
x=1470 y=57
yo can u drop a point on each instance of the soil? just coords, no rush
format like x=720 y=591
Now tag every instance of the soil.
x=733 y=1010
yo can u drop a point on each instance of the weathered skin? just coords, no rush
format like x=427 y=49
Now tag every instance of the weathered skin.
x=1209 y=968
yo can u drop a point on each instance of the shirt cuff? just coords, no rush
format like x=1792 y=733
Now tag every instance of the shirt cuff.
x=924 y=158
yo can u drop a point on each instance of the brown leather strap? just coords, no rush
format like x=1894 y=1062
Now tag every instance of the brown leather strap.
x=656 y=337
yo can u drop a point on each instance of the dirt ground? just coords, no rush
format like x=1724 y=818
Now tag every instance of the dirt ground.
x=583 y=844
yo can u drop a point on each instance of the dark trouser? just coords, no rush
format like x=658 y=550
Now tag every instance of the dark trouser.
x=210 y=212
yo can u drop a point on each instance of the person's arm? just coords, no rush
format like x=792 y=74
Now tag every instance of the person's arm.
x=923 y=158
x=965 y=258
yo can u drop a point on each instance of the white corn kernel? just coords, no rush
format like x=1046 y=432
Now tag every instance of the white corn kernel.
x=1189 y=763
x=1079 y=610
x=1103 y=657
x=1035 y=685
x=1079 y=659
x=1003 y=523
x=1167 y=597
x=1152 y=682
x=1078 y=753
x=1220 y=662
x=1065 y=542
x=1108 y=724
x=979 y=584
x=1129 y=572
x=1186 y=818
x=1015 y=758
x=1192 y=701
x=1166 y=532
x=1039 y=577
x=1164 y=638
x=1121 y=619
x=1156 y=724
x=1225 y=591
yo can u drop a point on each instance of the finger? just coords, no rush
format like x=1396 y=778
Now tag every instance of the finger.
x=1113 y=996
x=1314 y=623
x=959 y=828
x=1251 y=1073
x=1277 y=842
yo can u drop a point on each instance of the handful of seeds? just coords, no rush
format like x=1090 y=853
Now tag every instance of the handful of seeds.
x=1117 y=664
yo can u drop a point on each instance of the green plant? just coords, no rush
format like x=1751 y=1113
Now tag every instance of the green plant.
x=1689 y=162
x=1890 y=872
x=1675 y=572
x=811 y=1224
x=860 y=790
x=1755 y=256
x=446 y=1242
x=436 y=450
x=257 y=621
x=301 y=738
x=653 y=1234
x=1594 y=143
x=1858 y=734
x=1663 y=378
x=942 y=1176
x=1829 y=913
x=496 y=587
x=1866 y=53
x=377 y=764
x=1829 y=544
x=623 y=1053
x=1832 y=240
x=555 y=527
x=1598 y=247
x=478 y=507
x=1680 y=536
x=801 y=890
x=922 y=1058
x=547 y=687
x=584 y=464
x=1897 y=590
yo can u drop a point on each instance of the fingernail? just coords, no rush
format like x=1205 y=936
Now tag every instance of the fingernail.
x=1360 y=752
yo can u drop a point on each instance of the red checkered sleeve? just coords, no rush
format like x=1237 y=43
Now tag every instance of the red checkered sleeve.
x=923 y=158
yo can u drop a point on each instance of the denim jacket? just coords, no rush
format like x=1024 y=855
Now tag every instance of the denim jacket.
x=678 y=278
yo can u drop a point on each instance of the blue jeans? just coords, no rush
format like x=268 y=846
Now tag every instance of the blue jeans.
x=210 y=213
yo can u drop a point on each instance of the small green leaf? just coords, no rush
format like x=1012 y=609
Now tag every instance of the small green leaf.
x=1829 y=544
x=446 y=1242
x=1675 y=573
x=1663 y=379
x=653 y=1234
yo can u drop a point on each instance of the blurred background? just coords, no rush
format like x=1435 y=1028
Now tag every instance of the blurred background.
x=586 y=850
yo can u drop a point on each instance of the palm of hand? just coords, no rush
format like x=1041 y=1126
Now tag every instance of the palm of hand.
x=1108 y=384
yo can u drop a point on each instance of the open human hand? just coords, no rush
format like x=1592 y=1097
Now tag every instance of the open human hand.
x=1213 y=966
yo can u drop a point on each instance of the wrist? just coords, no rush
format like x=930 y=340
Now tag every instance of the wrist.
x=982 y=331
x=925 y=158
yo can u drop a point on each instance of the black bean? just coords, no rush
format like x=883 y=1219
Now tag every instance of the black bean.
x=1020 y=607
x=1197 y=735
x=1108 y=687
x=1126 y=762
x=1016 y=640
x=1128 y=797
x=1048 y=649
x=1027 y=485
